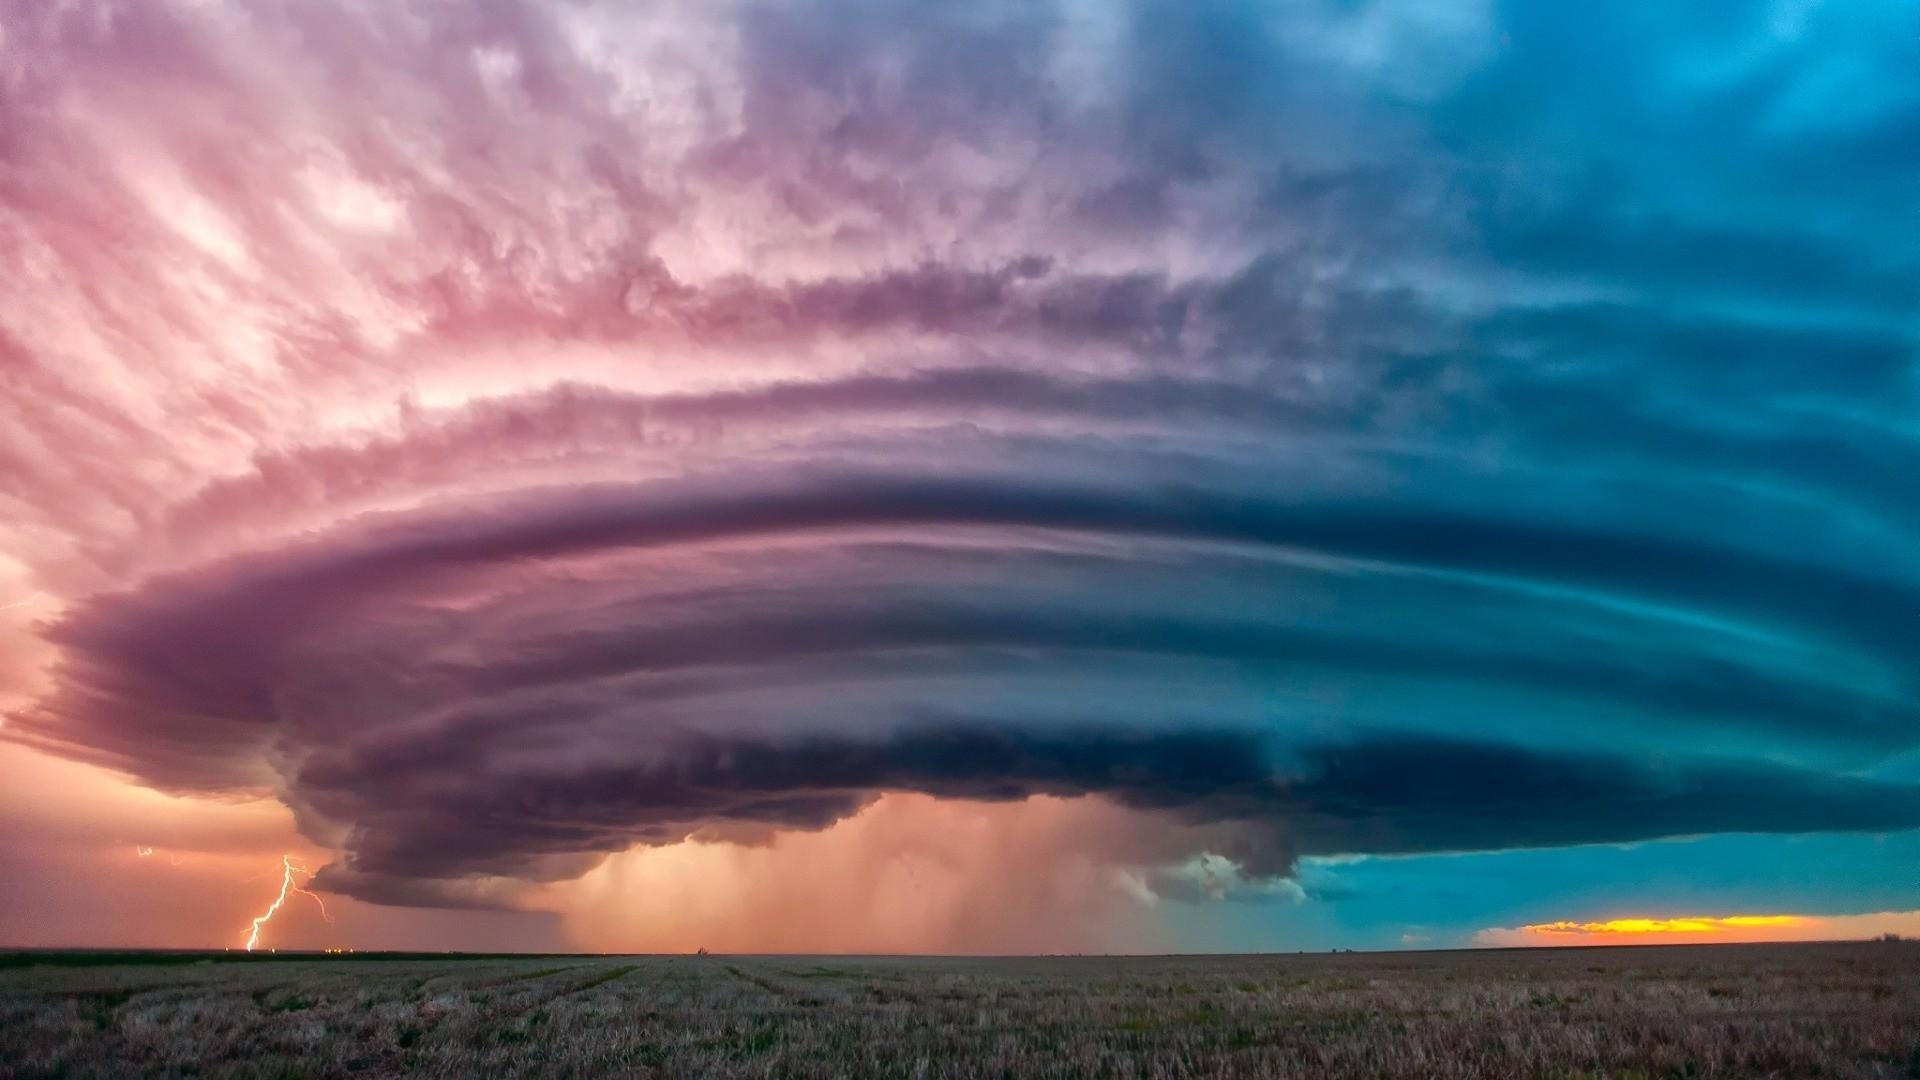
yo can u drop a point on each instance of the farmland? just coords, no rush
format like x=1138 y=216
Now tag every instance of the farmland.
x=1793 y=1010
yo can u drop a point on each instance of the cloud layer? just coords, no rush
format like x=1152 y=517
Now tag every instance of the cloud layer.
x=512 y=433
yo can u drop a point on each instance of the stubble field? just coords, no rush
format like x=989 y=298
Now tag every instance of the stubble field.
x=1849 y=1010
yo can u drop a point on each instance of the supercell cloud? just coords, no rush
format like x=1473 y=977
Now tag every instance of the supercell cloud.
x=510 y=433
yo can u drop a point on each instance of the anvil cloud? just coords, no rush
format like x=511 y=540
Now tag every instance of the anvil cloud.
x=511 y=434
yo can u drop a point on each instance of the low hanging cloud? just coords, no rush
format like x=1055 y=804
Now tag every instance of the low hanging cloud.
x=515 y=690
x=748 y=422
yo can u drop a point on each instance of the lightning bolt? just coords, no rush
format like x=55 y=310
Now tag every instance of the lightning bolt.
x=142 y=850
x=34 y=599
x=288 y=884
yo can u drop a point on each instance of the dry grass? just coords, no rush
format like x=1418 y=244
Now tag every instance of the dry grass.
x=1826 y=1010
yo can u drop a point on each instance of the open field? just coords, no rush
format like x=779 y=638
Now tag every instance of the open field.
x=1795 y=1010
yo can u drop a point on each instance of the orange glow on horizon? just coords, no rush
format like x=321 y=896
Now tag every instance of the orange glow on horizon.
x=1686 y=924
x=1706 y=929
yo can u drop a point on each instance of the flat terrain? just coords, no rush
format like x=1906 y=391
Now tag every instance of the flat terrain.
x=1796 y=1010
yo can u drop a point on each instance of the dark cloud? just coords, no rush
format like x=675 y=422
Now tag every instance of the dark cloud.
x=591 y=701
x=1390 y=795
x=1680 y=562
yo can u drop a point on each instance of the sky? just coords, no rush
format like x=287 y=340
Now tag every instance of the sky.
x=1088 y=475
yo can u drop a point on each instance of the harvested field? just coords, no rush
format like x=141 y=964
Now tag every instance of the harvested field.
x=1849 y=1010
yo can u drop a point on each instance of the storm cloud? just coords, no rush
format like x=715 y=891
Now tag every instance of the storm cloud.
x=512 y=433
